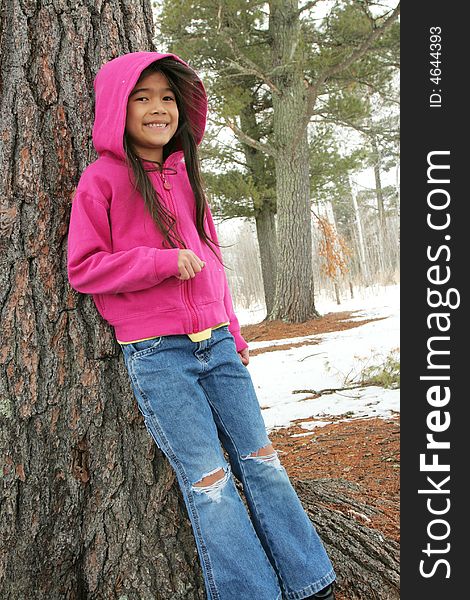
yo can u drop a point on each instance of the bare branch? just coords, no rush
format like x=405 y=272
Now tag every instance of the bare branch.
x=243 y=64
x=359 y=53
x=230 y=151
x=307 y=6
x=253 y=71
x=379 y=91
x=367 y=131
x=246 y=139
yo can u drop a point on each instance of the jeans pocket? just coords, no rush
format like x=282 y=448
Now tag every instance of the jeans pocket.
x=137 y=349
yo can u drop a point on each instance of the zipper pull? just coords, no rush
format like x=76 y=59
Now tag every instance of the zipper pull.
x=166 y=184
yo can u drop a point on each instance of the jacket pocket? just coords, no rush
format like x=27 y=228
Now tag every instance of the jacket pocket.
x=209 y=284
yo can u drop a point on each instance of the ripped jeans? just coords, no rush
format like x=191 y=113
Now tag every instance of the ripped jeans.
x=195 y=396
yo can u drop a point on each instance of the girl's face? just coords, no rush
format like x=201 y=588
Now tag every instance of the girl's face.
x=152 y=116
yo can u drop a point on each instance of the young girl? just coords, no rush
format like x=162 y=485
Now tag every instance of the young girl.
x=142 y=241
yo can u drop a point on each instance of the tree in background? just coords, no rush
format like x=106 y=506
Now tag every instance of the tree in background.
x=355 y=210
x=290 y=61
x=334 y=251
x=368 y=105
x=244 y=186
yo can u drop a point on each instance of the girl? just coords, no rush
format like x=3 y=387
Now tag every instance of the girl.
x=142 y=241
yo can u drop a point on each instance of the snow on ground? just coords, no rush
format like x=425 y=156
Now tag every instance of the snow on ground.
x=340 y=355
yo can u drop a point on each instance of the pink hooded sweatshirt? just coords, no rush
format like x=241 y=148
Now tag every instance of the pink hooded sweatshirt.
x=116 y=252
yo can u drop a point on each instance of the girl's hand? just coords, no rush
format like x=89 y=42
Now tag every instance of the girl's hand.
x=244 y=356
x=189 y=264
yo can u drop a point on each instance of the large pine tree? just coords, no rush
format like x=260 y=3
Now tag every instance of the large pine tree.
x=292 y=62
x=90 y=507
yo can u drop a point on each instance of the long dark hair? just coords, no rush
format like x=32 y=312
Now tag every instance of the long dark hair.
x=181 y=80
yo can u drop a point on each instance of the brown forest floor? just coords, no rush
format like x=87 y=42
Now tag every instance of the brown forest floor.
x=365 y=451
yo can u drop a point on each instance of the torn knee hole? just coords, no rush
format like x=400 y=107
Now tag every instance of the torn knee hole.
x=265 y=451
x=211 y=478
x=267 y=455
x=212 y=484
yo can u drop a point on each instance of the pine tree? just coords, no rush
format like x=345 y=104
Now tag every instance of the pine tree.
x=292 y=64
x=89 y=507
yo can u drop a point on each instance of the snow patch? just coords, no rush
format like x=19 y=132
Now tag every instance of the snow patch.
x=285 y=380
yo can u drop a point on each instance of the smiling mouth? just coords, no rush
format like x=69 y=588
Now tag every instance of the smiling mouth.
x=158 y=126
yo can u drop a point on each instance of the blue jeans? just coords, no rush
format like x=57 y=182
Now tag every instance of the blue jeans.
x=195 y=396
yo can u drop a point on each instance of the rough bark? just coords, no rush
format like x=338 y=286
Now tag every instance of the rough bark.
x=366 y=561
x=89 y=506
x=294 y=299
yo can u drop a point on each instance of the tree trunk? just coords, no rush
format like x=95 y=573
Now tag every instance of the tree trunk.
x=387 y=251
x=337 y=294
x=294 y=300
x=265 y=208
x=90 y=506
x=360 y=237
x=267 y=242
x=378 y=186
x=365 y=560
x=351 y=290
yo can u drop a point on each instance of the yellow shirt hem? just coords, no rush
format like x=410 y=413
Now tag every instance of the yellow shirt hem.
x=194 y=337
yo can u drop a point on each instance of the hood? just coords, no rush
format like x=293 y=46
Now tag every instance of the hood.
x=113 y=84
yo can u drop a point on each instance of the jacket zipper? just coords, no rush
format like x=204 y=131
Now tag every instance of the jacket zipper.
x=167 y=187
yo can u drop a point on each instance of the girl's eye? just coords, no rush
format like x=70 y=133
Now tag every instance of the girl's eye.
x=165 y=98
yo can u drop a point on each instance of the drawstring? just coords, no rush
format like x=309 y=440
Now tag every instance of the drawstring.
x=170 y=171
